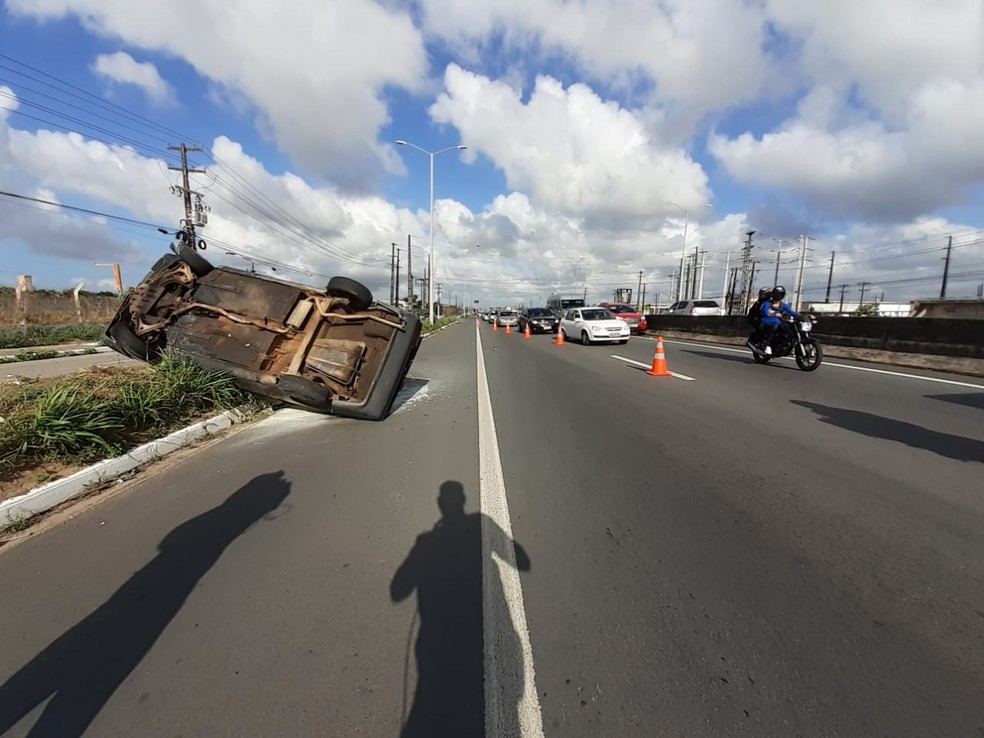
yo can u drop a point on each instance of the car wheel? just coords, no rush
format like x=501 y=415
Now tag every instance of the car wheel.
x=198 y=264
x=131 y=344
x=585 y=340
x=356 y=293
x=305 y=392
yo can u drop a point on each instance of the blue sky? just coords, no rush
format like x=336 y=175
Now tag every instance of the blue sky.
x=581 y=120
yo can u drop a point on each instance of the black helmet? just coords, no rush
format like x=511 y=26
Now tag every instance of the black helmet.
x=779 y=293
x=765 y=293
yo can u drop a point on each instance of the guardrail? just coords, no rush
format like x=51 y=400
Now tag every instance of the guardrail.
x=938 y=336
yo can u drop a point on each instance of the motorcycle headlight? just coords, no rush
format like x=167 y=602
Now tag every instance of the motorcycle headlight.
x=806 y=326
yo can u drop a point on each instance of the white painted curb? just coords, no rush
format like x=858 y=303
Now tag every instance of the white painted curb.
x=43 y=498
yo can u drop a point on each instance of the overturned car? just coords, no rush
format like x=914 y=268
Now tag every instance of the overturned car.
x=332 y=350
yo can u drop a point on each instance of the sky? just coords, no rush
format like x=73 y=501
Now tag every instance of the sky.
x=600 y=134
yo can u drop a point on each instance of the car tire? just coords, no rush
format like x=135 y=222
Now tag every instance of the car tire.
x=198 y=264
x=585 y=339
x=356 y=293
x=305 y=392
x=130 y=343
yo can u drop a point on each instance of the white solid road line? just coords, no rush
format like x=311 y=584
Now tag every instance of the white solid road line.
x=714 y=346
x=504 y=617
x=649 y=366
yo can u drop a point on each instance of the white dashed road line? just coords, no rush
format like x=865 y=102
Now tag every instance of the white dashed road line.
x=502 y=609
x=649 y=366
x=953 y=382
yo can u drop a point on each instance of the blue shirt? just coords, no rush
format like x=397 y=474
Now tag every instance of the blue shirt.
x=769 y=319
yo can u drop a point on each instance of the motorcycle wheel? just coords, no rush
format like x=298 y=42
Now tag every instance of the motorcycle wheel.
x=761 y=358
x=810 y=355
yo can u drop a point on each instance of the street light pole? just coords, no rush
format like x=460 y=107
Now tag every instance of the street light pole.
x=683 y=250
x=430 y=257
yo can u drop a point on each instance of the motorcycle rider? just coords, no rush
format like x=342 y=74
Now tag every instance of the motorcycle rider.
x=754 y=318
x=772 y=317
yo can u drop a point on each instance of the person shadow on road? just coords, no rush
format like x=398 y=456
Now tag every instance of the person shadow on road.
x=83 y=667
x=448 y=567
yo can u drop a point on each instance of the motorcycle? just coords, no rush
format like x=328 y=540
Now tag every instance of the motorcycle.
x=798 y=341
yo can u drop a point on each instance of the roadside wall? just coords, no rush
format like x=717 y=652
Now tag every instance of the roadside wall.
x=47 y=307
x=938 y=336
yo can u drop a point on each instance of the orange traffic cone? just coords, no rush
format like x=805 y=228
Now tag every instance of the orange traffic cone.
x=508 y=329
x=560 y=337
x=526 y=333
x=659 y=361
x=495 y=326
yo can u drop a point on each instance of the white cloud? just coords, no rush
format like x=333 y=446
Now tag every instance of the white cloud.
x=570 y=150
x=315 y=71
x=124 y=69
x=700 y=57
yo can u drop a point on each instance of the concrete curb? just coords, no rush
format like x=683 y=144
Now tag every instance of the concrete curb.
x=44 y=498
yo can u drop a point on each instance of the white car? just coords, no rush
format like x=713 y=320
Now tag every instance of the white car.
x=593 y=324
x=695 y=308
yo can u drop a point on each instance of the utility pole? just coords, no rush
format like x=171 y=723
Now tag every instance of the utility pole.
x=700 y=285
x=799 y=276
x=396 y=282
x=440 y=309
x=861 y=299
x=724 y=289
x=751 y=281
x=409 y=277
x=843 y=287
x=732 y=287
x=775 y=279
x=946 y=266
x=639 y=293
x=392 y=268
x=746 y=258
x=830 y=278
x=980 y=290
x=642 y=301
x=186 y=192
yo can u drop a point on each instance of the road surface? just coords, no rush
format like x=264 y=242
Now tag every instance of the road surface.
x=541 y=541
x=44 y=368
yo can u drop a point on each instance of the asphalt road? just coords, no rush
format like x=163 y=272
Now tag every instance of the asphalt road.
x=542 y=540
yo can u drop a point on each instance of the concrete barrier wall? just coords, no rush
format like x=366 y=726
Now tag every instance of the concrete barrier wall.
x=940 y=336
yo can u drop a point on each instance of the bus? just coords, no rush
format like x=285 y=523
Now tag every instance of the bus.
x=559 y=305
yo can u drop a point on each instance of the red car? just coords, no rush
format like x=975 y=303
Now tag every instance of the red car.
x=626 y=312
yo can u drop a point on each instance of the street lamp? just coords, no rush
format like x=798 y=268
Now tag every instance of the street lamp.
x=430 y=257
x=683 y=251
x=252 y=266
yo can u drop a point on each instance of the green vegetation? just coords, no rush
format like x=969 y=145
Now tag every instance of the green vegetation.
x=29 y=356
x=438 y=324
x=102 y=414
x=39 y=335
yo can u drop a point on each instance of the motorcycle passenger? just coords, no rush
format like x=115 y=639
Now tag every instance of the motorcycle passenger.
x=772 y=317
x=754 y=317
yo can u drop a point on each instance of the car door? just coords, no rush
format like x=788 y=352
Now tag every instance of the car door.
x=568 y=323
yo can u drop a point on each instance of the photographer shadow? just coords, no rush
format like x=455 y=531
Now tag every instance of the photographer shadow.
x=455 y=604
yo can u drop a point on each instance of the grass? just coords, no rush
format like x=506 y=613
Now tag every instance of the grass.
x=102 y=414
x=438 y=324
x=38 y=335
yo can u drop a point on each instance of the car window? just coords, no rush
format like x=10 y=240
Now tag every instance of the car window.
x=597 y=314
x=570 y=315
x=539 y=313
x=621 y=309
x=705 y=304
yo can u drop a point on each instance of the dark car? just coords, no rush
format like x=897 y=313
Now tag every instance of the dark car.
x=540 y=320
x=328 y=350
